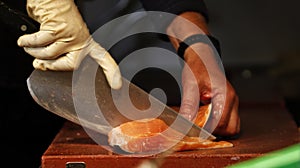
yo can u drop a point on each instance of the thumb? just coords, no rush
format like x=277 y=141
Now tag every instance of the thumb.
x=108 y=64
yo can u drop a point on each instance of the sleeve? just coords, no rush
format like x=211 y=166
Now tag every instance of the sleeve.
x=176 y=6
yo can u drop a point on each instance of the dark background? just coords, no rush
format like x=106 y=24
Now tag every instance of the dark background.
x=259 y=34
x=26 y=129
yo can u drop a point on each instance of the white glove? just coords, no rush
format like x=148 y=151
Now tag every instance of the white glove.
x=64 y=40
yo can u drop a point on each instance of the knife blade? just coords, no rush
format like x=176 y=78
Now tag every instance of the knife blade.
x=79 y=100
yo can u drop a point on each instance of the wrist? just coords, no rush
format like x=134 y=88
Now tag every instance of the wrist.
x=208 y=40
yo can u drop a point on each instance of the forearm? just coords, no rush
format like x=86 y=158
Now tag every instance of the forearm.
x=185 y=25
x=179 y=29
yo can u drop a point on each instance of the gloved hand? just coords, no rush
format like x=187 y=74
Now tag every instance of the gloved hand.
x=64 y=40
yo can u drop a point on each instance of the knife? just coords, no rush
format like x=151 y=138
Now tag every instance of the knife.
x=92 y=103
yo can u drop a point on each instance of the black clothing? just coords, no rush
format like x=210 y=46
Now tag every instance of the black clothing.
x=176 y=6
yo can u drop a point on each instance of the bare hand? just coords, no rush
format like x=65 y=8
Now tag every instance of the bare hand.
x=206 y=83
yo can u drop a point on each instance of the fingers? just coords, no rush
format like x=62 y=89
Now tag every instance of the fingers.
x=233 y=122
x=189 y=104
x=38 y=39
x=218 y=102
x=43 y=45
x=224 y=121
x=50 y=57
x=68 y=62
x=108 y=64
x=51 y=51
x=190 y=97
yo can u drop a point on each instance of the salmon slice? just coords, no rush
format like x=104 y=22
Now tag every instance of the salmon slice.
x=153 y=135
x=203 y=115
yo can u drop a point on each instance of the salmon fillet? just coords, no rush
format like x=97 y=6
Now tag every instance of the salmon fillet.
x=153 y=135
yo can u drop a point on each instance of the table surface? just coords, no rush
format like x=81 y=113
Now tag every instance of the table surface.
x=266 y=126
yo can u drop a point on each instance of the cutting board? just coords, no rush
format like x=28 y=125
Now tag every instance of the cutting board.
x=264 y=129
x=266 y=126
